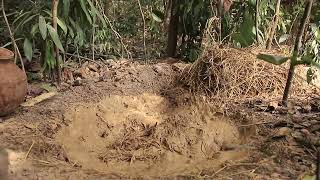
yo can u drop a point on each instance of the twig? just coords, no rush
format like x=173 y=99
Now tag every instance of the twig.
x=238 y=173
x=232 y=165
x=85 y=58
x=307 y=149
x=42 y=161
x=221 y=169
x=29 y=149
x=115 y=32
x=274 y=25
x=253 y=124
x=144 y=30
x=11 y=36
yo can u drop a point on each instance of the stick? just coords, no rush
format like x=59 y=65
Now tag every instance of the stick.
x=29 y=150
x=11 y=36
x=85 y=58
x=116 y=33
x=144 y=30
x=253 y=124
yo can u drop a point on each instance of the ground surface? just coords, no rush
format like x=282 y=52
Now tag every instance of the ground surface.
x=128 y=120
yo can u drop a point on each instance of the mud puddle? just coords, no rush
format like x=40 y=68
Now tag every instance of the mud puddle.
x=148 y=135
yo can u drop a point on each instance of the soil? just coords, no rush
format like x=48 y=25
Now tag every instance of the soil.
x=128 y=120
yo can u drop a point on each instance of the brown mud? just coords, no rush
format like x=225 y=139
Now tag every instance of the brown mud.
x=137 y=121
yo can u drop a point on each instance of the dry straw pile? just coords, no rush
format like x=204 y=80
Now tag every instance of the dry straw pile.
x=232 y=74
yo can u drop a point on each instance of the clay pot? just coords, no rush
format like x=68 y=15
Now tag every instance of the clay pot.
x=13 y=83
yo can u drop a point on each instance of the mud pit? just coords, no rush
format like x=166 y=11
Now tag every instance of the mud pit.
x=140 y=122
x=147 y=135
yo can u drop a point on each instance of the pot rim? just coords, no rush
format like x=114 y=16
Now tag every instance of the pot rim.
x=6 y=54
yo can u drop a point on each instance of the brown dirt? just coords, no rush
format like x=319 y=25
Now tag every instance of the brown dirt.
x=136 y=122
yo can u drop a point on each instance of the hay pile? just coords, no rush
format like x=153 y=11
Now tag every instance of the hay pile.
x=229 y=74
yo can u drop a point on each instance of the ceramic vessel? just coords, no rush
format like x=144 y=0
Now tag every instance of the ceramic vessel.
x=13 y=83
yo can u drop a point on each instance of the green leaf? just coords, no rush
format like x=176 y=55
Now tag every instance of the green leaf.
x=310 y=74
x=71 y=33
x=246 y=35
x=66 y=7
x=21 y=16
x=157 y=15
x=22 y=23
x=80 y=38
x=62 y=25
x=34 y=29
x=55 y=37
x=43 y=27
x=85 y=10
x=96 y=12
x=276 y=60
x=49 y=62
x=238 y=38
x=27 y=48
x=307 y=58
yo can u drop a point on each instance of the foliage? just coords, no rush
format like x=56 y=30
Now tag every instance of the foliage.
x=194 y=16
x=308 y=57
x=85 y=25
x=75 y=19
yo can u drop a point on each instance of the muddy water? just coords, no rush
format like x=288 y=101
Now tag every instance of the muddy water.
x=147 y=135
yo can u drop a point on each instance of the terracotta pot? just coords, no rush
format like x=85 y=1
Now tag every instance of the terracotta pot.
x=13 y=83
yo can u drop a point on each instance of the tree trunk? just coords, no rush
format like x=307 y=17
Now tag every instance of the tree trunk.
x=55 y=4
x=167 y=15
x=173 y=29
x=274 y=25
x=297 y=46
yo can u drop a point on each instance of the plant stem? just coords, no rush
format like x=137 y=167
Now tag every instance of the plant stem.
x=295 y=54
x=274 y=25
x=16 y=49
x=55 y=26
x=144 y=30
x=257 y=22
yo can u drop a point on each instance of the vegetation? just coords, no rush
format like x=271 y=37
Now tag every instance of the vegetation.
x=137 y=28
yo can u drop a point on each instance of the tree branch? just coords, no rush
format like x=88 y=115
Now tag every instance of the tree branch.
x=12 y=36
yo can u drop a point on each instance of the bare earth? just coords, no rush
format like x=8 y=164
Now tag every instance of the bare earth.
x=139 y=122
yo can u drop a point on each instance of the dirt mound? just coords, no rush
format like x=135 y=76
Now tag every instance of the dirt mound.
x=141 y=135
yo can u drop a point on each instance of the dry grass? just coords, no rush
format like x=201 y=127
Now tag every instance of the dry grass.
x=229 y=74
